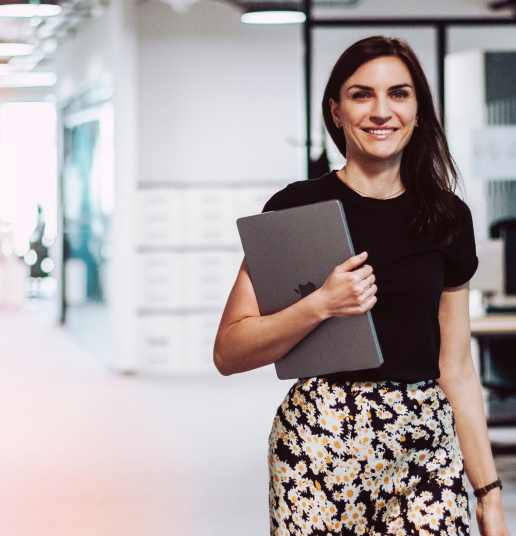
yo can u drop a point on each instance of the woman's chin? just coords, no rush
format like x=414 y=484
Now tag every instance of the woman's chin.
x=382 y=156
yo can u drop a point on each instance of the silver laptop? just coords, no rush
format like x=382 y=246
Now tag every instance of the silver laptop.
x=290 y=253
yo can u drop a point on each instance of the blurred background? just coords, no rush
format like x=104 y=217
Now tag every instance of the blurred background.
x=133 y=133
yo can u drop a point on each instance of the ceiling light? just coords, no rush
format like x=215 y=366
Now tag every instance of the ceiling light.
x=15 y=49
x=28 y=80
x=273 y=17
x=29 y=8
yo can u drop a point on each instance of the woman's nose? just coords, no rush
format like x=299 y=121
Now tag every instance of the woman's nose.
x=381 y=111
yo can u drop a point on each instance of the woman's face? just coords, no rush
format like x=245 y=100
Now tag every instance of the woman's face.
x=377 y=110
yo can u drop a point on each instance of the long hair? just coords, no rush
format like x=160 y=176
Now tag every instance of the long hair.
x=428 y=171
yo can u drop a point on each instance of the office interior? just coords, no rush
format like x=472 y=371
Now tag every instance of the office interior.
x=132 y=137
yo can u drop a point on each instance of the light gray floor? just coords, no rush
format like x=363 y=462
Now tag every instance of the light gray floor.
x=84 y=452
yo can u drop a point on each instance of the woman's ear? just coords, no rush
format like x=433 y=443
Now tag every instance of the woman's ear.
x=335 y=112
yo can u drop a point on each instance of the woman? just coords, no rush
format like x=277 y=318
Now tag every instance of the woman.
x=376 y=451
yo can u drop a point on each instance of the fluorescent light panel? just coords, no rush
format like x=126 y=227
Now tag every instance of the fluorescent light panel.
x=15 y=49
x=273 y=17
x=29 y=10
x=28 y=80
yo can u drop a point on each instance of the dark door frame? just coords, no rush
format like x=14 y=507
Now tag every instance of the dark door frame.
x=440 y=25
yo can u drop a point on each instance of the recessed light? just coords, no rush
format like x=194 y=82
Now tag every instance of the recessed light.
x=273 y=17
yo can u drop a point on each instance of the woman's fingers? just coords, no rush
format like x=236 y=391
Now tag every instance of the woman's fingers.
x=367 y=283
x=364 y=272
x=369 y=292
x=352 y=263
x=349 y=291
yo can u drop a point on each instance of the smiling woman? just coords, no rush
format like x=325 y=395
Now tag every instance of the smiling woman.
x=396 y=96
x=385 y=112
x=377 y=451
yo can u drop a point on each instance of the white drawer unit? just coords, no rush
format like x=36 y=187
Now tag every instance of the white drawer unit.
x=161 y=278
x=186 y=280
x=210 y=277
x=209 y=217
x=163 y=346
x=177 y=343
x=202 y=333
x=250 y=201
x=189 y=254
x=162 y=218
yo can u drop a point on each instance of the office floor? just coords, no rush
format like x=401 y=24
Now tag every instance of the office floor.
x=84 y=452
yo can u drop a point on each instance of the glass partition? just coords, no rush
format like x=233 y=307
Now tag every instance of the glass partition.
x=88 y=198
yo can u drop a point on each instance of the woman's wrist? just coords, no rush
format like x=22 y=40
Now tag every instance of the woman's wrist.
x=319 y=305
x=491 y=498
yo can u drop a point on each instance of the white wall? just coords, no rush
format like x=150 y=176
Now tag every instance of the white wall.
x=218 y=100
x=464 y=113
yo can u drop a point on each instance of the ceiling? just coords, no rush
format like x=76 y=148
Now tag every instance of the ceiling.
x=47 y=34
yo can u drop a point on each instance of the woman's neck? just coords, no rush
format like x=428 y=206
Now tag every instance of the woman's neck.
x=376 y=180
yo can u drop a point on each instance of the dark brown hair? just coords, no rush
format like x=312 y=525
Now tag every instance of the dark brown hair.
x=428 y=171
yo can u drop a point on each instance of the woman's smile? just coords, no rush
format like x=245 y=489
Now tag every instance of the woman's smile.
x=380 y=133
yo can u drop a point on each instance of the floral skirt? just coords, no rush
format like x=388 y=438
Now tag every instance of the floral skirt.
x=375 y=458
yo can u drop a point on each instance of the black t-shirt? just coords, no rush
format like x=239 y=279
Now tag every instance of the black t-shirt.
x=410 y=271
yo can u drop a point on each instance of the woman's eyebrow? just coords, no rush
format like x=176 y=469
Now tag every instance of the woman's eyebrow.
x=367 y=88
x=399 y=86
x=358 y=86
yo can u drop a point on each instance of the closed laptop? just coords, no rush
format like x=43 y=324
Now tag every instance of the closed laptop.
x=291 y=253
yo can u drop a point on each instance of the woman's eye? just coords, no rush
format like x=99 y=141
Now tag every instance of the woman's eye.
x=360 y=95
x=400 y=94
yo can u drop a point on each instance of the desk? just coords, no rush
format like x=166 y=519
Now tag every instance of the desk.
x=493 y=325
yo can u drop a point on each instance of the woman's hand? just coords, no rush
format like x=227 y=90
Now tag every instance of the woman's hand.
x=347 y=291
x=490 y=518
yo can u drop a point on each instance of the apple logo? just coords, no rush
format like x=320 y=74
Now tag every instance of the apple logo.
x=305 y=290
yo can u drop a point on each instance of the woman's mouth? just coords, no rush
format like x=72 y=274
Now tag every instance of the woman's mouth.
x=379 y=133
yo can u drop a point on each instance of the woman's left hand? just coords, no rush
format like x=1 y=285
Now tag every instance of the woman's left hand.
x=490 y=518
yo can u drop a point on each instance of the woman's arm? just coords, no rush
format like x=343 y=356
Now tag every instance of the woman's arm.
x=246 y=340
x=460 y=384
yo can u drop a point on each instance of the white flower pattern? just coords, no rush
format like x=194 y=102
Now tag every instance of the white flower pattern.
x=372 y=458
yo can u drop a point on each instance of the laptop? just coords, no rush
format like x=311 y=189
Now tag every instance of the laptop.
x=290 y=253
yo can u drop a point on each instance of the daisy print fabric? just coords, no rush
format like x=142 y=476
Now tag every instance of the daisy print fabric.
x=372 y=458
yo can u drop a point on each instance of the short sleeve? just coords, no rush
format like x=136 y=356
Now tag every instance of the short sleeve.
x=286 y=198
x=461 y=260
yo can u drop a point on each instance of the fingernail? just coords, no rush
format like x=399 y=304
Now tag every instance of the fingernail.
x=363 y=254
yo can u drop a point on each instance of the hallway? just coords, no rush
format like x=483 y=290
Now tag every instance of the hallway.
x=84 y=452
